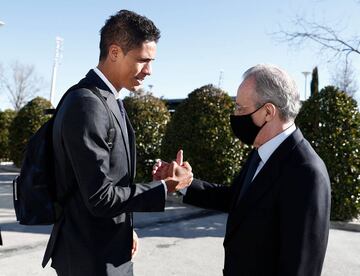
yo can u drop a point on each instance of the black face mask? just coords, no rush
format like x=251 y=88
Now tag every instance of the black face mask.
x=244 y=127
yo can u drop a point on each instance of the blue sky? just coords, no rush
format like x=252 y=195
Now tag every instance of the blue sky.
x=199 y=39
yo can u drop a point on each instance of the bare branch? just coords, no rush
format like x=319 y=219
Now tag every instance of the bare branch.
x=22 y=85
x=326 y=37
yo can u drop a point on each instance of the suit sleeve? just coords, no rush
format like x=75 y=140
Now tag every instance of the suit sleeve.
x=207 y=195
x=84 y=132
x=304 y=221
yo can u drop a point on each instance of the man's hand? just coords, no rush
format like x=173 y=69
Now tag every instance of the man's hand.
x=135 y=246
x=177 y=175
x=160 y=169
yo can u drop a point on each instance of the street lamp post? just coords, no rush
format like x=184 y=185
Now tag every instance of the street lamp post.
x=305 y=73
x=58 y=56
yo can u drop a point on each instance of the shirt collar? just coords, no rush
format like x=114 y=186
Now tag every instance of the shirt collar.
x=107 y=82
x=270 y=146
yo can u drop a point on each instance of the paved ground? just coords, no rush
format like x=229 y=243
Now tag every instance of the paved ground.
x=182 y=241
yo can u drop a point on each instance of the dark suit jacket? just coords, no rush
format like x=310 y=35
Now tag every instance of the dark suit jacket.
x=96 y=186
x=281 y=225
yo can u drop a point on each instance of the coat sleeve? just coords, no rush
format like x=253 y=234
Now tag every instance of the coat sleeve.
x=208 y=195
x=304 y=221
x=84 y=132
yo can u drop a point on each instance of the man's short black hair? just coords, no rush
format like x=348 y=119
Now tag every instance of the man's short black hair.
x=128 y=30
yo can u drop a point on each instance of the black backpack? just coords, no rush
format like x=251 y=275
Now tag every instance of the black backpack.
x=34 y=190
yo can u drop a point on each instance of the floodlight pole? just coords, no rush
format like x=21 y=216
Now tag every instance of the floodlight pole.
x=57 y=59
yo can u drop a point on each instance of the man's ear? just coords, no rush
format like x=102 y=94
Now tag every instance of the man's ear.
x=115 y=52
x=270 y=111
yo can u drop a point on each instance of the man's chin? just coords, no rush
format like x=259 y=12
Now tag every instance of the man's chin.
x=134 y=88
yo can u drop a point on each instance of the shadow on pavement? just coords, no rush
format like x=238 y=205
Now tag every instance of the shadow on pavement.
x=187 y=228
x=16 y=227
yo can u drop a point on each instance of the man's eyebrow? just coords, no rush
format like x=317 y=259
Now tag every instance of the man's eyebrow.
x=146 y=59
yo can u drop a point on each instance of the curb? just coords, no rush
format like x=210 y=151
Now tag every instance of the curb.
x=197 y=212
x=346 y=226
x=338 y=225
x=9 y=168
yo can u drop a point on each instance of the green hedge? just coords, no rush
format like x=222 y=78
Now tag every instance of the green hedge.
x=149 y=116
x=6 y=118
x=27 y=121
x=201 y=127
x=331 y=122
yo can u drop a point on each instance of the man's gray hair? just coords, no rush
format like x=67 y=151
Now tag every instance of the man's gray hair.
x=274 y=85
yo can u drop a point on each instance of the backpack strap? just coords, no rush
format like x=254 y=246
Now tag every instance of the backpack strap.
x=74 y=87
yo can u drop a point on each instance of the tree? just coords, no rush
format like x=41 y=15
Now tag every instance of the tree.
x=6 y=118
x=336 y=138
x=327 y=38
x=149 y=117
x=330 y=40
x=314 y=82
x=344 y=78
x=27 y=121
x=22 y=84
x=200 y=126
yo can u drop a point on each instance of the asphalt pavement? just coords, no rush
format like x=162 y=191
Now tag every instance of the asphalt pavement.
x=182 y=230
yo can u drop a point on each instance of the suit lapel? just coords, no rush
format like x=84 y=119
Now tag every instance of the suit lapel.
x=93 y=80
x=238 y=182
x=114 y=107
x=132 y=144
x=270 y=172
x=263 y=182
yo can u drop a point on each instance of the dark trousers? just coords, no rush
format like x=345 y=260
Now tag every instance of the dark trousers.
x=125 y=269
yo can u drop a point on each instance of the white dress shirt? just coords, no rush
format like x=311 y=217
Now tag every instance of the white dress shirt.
x=107 y=82
x=267 y=149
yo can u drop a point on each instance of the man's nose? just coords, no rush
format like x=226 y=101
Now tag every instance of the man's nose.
x=147 y=69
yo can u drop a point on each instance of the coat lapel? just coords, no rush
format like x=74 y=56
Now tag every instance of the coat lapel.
x=93 y=80
x=264 y=181
x=132 y=144
x=238 y=182
x=272 y=169
x=114 y=107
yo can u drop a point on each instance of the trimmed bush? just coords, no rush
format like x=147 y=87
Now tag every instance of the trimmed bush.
x=27 y=121
x=149 y=116
x=6 y=118
x=331 y=122
x=201 y=127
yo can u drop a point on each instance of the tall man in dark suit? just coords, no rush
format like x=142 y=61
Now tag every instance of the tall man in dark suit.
x=95 y=182
x=279 y=204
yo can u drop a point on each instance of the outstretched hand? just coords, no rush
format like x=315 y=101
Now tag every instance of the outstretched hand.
x=177 y=174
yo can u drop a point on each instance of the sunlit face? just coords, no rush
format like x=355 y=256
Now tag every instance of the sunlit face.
x=246 y=102
x=245 y=99
x=132 y=68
